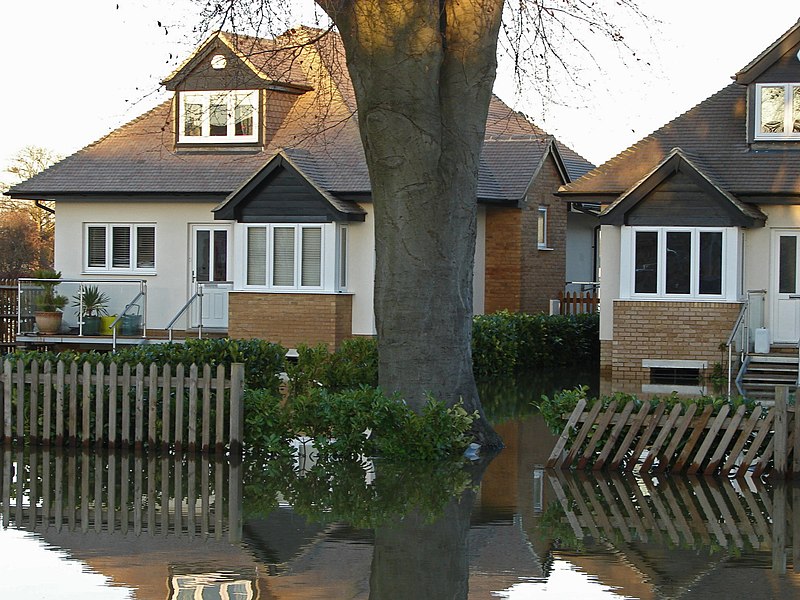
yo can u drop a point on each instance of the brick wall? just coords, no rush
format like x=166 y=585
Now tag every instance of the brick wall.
x=663 y=330
x=544 y=271
x=291 y=319
x=519 y=276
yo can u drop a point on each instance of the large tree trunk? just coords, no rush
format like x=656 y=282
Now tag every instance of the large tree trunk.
x=423 y=73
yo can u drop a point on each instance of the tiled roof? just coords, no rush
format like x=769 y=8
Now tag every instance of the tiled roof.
x=320 y=134
x=715 y=130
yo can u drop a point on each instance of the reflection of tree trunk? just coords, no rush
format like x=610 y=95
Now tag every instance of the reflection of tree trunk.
x=416 y=558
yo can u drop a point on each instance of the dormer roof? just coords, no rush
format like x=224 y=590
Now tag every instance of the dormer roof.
x=787 y=42
x=267 y=63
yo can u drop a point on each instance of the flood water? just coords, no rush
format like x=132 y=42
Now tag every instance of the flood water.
x=88 y=525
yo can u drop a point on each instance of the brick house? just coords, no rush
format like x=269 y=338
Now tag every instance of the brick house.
x=701 y=224
x=250 y=183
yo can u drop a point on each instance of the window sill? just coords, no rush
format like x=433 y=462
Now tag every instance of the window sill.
x=545 y=248
x=120 y=273
x=307 y=292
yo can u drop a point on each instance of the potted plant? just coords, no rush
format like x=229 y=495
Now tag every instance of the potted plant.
x=48 y=303
x=92 y=302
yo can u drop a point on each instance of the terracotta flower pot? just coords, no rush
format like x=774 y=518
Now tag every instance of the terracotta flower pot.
x=48 y=322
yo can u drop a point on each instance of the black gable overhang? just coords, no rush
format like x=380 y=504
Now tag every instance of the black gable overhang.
x=679 y=193
x=281 y=193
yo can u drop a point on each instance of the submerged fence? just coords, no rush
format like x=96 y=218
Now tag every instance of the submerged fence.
x=681 y=439
x=194 y=408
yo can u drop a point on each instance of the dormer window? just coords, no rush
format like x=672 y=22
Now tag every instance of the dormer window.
x=218 y=117
x=778 y=111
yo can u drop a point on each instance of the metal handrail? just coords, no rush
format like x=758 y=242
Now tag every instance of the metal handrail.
x=142 y=293
x=198 y=295
x=743 y=319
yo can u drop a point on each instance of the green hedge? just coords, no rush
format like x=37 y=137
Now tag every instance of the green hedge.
x=504 y=343
x=263 y=360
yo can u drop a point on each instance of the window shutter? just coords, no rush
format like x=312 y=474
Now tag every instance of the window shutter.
x=311 y=274
x=121 y=247
x=96 y=244
x=145 y=247
x=283 y=256
x=257 y=256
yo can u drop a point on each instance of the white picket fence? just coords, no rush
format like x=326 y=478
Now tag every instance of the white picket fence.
x=194 y=408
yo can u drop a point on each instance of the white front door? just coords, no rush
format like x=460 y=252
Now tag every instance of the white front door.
x=211 y=269
x=785 y=286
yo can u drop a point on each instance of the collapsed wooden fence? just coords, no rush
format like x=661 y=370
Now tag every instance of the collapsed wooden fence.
x=681 y=439
x=194 y=408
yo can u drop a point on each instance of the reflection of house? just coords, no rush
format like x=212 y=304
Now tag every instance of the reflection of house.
x=251 y=183
x=698 y=215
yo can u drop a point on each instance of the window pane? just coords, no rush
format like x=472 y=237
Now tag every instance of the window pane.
x=121 y=247
x=192 y=118
x=218 y=115
x=646 y=262
x=796 y=109
x=257 y=256
x=772 y=109
x=710 y=262
x=787 y=265
x=283 y=256
x=220 y=255
x=541 y=228
x=145 y=247
x=243 y=114
x=96 y=243
x=311 y=271
x=679 y=262
x=202 y=258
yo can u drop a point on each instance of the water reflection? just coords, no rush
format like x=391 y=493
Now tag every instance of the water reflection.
x=188 y=527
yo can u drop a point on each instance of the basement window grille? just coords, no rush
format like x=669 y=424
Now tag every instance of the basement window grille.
x=674 y=376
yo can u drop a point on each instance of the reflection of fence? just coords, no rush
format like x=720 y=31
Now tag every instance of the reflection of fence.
x=683 y=438
x=113 y=405
x=120 y=492
x=681 y=512
x=578 y=303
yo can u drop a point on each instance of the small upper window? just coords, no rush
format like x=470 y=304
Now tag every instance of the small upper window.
x=778 y=111
x=541 y=228
x=218 y=117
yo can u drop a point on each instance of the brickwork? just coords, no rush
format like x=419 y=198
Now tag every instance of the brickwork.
x=520 y=276
x=544 y=271
x=291 y=319
x=663 y=330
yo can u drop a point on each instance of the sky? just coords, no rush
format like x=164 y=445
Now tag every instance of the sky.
x=73 y=71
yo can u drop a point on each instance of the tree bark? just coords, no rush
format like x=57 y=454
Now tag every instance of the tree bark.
x=423 y=73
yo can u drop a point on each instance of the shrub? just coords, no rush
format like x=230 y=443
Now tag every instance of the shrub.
x=504 y=343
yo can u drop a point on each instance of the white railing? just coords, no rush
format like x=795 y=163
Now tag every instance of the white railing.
x=751 y=316
x=196 y=297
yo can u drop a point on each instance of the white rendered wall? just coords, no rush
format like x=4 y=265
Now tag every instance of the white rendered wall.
x=361 y=271
x=167 y=290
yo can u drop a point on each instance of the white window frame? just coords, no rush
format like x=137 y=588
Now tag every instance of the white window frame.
x=204 y=98
x=788 y=122
x=541 y=229
x=328 y=257
x=108 y=267
x=731 y=258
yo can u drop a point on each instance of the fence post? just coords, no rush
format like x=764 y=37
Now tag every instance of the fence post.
x=6 y=389
x=781 y=429
x=237 y=409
